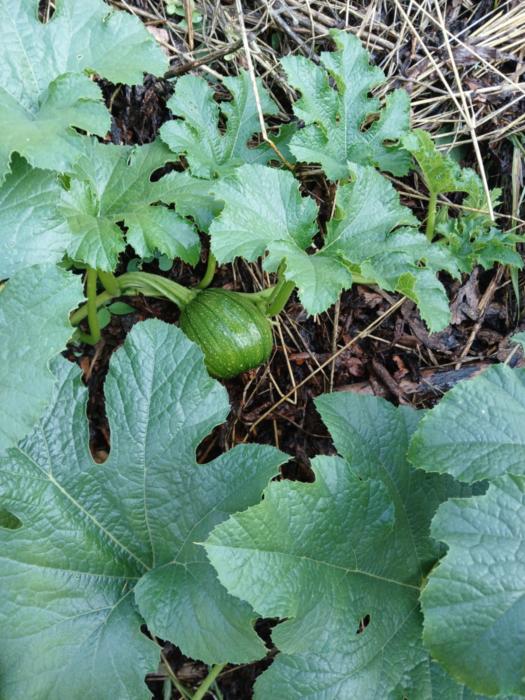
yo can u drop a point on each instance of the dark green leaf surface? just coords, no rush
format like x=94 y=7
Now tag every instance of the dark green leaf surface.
x=31 y=231
x=474 y=601
x=476 y=431
x=353 y=545
x=209 y=150
x=34 y=327
x=337 y=119
x=113 y=185
x=101 y=542
x=44 y=90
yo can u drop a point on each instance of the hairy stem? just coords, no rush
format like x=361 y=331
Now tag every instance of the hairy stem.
x=281 y=293
x=91 y=292
x=431 y=216
x=81 y=313
x=209 y=274
x=207 y=682
x=109 y=282
x=131 y=283
x=156 y=286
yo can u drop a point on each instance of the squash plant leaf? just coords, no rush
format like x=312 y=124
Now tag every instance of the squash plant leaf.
x=191 y=195
x=112 y=185
x=344 y=123
x=343 y=560
x=34 y=327
x=474 y=601
x=31 y=231
x=103 y=546
x=471 y=236
x=265 y=212
x=441 y=173
x=44 y=87
x=209 y=150
x=319 y=278
x=371 y=229
x=476 y=430
x=261 y=205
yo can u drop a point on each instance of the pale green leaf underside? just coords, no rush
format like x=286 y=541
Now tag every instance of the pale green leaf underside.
x=474 y=602
x=31 y=232
x=209 y=150
x=34 y=327
x=43 y=91
x=476 y=431
x=335 y=118
x=325 y=555
x=113 y=185
x=99 y=543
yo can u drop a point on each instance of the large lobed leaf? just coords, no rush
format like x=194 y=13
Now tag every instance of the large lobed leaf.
x=31 y=230
x=476 y=430
x=474 y=602
x=40 y=220
x=264 y=212
x=344 y=123
x=104 y=546
x=209 y=150
x=44 y=88
x=343 y=560
x=371 y=232
x=113 y=184
x=374 y=231
x=34 y=327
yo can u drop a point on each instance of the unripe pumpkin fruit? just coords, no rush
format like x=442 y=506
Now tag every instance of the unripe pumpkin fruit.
x=232 y=331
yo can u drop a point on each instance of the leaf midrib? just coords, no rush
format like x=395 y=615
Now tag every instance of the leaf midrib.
x=49 y=477
x=318 y=562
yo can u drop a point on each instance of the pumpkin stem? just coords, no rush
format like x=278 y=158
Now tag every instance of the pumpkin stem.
x=130 y=284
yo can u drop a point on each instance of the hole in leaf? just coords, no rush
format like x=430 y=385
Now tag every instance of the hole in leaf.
x=9 y=521
x=46 y=10
x=363 y=624
x=371 y=118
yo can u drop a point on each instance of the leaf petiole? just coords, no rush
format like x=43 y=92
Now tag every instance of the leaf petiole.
x=130 y=284
x=431 y=216
x=207 y=682
x=209 y=274
x=92 y=308
x=281 y=293
x=109 y=282
x=81 y=313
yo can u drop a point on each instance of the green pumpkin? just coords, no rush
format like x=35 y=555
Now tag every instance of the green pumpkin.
x=232 y=331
